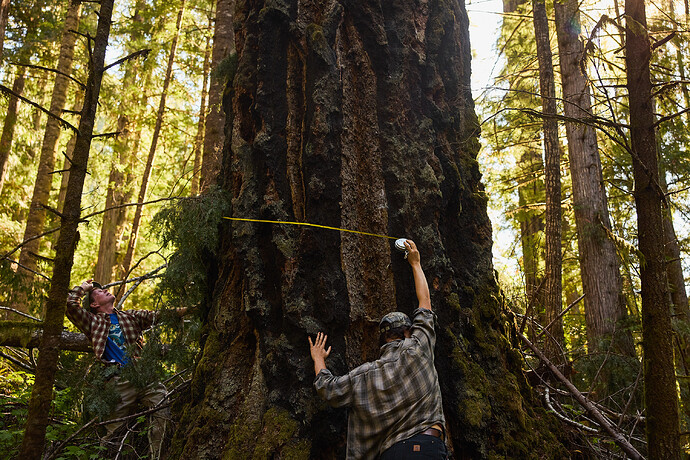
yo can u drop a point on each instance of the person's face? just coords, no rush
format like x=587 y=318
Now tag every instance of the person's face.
x=101 y=299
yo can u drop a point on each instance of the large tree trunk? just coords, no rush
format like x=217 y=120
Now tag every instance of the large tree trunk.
x=41 y=194
x=223 y=47
x=661 y=398
x=132 y=244
x=10 y=122
x=360 y=115
x=49 y=351
x=605 y=308
x=553 y=259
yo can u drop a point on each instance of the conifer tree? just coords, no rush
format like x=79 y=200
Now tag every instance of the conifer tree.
x=42 y=392
x=661 y=399
x=131 y=246
x=605 y=308
x=223 y=47
x=119 y=189
x=555 y=341
x=41 y=194
x=10 y=122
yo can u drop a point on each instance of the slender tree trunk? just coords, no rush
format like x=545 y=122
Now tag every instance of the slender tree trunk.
x=605 y=309
x=41 y=194
x=117 y=194
x=131 y=246
x=69 y=150
x=10 y=122
x=552 y=176
x=530 y=192
x=223 y=46
x=42 y=392
x=661 y=398
x=201 y=126
x=4 y=15
x=125 y=147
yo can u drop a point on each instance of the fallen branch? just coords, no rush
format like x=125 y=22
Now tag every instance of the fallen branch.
x=20 y=334
x=587 y=404
x=547 y=400
x=62 y=445
x=20 y=313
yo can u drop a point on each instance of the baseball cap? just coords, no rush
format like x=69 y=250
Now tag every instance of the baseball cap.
x=393 y=320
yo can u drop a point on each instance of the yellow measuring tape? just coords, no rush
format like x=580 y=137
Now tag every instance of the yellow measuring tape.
x=307 y=224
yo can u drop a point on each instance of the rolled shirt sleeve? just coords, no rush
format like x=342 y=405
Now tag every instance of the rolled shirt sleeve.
x=337 y=391
x=423 y=327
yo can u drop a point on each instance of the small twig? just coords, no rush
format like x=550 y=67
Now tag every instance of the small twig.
x=663 y=41
x=560 y=315
x=21 y=313
x=53 y=210
x=141 y=279
x=62 y=445
x=32 y=66
x=19 y=363
x=107 y=135
x=547 y=400
x=16 y=262
x=88 y=216
x=144 y=53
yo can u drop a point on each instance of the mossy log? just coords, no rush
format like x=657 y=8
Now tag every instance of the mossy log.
x=355 y=115
x=27 y=334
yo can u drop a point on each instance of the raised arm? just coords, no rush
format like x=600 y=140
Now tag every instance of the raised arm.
x=420 y=284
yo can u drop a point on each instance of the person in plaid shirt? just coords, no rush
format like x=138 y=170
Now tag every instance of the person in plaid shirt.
x=394 y=403
x=116 y=337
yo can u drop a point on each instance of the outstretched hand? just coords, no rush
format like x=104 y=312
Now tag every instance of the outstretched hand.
x=318 y=351
x=413 y=256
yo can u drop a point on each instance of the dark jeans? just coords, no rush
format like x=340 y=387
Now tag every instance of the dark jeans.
x=416 y=447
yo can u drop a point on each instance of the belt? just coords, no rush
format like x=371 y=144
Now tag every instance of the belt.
x=433 y=432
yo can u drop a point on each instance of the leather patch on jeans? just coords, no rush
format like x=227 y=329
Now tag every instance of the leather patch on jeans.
x=416 y=448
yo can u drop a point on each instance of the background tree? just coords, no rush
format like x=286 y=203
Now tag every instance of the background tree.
x=661 y=400
x=42 y=187
x=223 y=47
x=552 y=177
x=605 y=308
x=131 y=246
x=42 y=392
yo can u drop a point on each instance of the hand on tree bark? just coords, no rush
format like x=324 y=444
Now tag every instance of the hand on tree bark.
x=319 y=353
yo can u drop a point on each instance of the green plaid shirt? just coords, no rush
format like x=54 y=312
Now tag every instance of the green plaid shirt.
x=392 y=398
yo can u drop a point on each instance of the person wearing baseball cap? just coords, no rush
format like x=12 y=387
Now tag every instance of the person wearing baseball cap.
x=394 y=403
x=116 y=339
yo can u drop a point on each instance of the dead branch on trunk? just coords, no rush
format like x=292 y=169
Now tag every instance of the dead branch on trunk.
x=5 y=90
x=48 y=69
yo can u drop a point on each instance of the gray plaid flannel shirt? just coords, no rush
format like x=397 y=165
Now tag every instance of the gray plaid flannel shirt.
x=97 y=325
x=392 y=398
